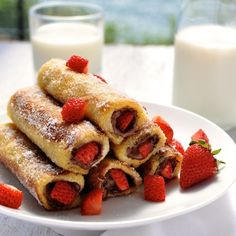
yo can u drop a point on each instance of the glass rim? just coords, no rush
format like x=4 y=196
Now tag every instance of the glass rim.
x=98 y=14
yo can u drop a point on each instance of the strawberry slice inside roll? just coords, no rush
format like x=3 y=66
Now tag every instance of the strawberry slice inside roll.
x=119 y=180
x=114 y=177
x=87 y=154
x=62 y=193
x=166 y=162
x=140 y=146
x=123 y=121
x=143 y=148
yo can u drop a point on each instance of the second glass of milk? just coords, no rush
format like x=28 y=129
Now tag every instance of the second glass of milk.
x=62 y=29
x=205 y=61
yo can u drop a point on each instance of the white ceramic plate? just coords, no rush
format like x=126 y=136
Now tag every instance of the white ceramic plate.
x=133 y=210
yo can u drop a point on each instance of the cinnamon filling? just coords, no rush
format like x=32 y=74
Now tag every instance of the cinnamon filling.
x=87 y=154
x=143 y=148
x=62 y=193
x=123 y=121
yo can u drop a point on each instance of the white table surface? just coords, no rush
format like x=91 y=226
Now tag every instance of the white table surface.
x=145 y=73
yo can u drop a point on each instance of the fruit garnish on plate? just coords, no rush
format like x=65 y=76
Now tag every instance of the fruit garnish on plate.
x=92 y=203
x=165 y=126
x=10 y=196
x=154 y=188
x=200 y=135
x=177 y=146
x=169 y=133
x=199 y=162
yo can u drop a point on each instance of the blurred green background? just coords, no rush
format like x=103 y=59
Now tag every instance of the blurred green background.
x=138 y=22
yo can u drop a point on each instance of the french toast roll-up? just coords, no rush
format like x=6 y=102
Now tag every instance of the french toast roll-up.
x=166 y=162
x=139 y=147
x=116 y=114
x=53 y=187
x=116 y=178
x=73 y=147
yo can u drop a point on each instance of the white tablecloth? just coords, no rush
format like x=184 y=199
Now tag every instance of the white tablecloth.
x=144 y=73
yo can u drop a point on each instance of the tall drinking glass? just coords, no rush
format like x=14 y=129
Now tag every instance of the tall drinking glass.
x=205 y=60
x=61 y=29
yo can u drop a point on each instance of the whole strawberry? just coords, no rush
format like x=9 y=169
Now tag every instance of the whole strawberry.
x=198 y=164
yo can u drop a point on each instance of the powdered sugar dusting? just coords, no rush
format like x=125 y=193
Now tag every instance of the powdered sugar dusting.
x=39 y=111
x=23 y=158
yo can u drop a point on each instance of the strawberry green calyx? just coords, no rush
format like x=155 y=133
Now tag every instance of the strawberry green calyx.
x=215 y=152
x=202 y=143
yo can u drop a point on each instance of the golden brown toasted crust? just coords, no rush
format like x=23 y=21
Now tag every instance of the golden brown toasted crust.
x=33 y=169
x=148 y=131
x=165 y=153
x=97 y=176
x=39 y=117
x=62 y=83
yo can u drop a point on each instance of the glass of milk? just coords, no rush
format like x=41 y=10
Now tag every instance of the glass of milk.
x=61 y=29
x=205 y=60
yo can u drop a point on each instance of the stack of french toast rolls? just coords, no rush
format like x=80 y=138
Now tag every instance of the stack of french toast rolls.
x=41 y=149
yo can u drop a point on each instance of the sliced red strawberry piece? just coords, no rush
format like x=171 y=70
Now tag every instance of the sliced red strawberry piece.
x=99 y=77
x=145 y=148
x=198 y=165
x=63 y=192
x=74 y=110
x=154 y=188
x=166 y=128
x=10 y=196
x=119 y=178
x=124 y=120
x=77 y=64
x=167 y=171
x=87 y=153
x=92 y=203
x=200 y=135
x=177 y=146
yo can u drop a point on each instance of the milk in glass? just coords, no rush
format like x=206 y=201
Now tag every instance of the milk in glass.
x=61 y=40
x=205 y=72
